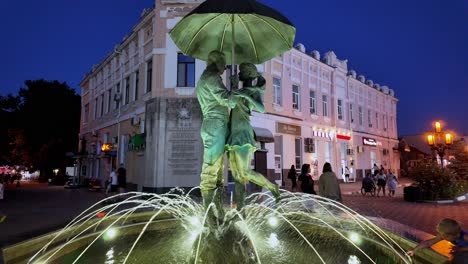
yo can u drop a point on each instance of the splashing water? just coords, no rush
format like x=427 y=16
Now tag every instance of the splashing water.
x=174 y=228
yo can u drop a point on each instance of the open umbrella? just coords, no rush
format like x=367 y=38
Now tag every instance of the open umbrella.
x=244 y=30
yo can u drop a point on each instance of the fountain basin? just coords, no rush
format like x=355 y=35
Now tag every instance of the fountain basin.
x=167 y=241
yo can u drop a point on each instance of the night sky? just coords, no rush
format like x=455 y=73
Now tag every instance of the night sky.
x=418 y=48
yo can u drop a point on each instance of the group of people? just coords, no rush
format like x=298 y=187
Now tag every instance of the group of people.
x=226 y=128
x=382 y=180
x=328 y=185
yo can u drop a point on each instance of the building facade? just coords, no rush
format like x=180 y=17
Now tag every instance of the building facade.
x=139 y=109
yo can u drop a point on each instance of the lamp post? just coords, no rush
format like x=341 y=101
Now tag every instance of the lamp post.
x=439 y=141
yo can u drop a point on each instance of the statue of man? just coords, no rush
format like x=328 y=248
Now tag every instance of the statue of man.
x=215 y=101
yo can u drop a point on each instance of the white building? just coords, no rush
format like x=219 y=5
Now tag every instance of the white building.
x=317 y=111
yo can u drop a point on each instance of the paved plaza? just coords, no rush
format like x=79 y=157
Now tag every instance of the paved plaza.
x=36 y=209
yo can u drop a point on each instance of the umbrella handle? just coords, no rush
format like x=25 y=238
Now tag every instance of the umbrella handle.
x=233 y=79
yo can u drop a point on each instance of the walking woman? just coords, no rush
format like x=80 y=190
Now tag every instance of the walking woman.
x=240 y=142
x=292 y=176
x=328 y=184
x=381 y=182
x=307 y=183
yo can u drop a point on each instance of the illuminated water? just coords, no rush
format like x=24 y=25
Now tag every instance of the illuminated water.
x=300 y=229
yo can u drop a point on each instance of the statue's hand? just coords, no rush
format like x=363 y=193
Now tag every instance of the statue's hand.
x=234 y=82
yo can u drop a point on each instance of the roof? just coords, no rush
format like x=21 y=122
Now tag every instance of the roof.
x=418 y=142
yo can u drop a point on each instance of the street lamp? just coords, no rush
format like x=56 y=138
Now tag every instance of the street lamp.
x=439 y=141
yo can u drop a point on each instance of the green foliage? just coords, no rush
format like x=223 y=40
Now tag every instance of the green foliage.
x=459 y=162
x=39 y=125
x=437 y=183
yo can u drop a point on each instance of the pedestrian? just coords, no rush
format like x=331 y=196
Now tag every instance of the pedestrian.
x=347 y=172
x=329 y=186
x=381 y=182
x=293 y=177
x=375 y=169
x=113 y=182
x=122 y=179
x=450 y=230
x=392 y=182
x=307 y=183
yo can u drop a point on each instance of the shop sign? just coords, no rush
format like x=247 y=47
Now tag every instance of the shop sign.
x=369 y=141
x=288 y=129
x=323 y=134
x=344 y=137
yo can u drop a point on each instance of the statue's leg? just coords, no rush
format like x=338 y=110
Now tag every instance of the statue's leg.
x=239 y=182
x=213 y=133
x=243 y=157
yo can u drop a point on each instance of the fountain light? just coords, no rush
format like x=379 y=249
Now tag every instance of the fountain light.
x=353 y=260
x=195 y=221
x=273 y=221
x=354 y=237
x=273 y=240
x=110 y=234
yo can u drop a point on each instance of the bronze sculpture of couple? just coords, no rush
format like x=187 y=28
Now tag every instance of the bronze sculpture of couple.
x=229 y=130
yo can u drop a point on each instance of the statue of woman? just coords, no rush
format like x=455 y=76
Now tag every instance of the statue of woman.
x=240 y=143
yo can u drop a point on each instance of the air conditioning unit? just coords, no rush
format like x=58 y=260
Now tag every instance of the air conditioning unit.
x=385 y=151
x=309 y=148
x=136 y=121
x=349 y=151
x=308 y=141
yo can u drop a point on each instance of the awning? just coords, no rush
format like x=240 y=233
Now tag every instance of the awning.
x=263 y=135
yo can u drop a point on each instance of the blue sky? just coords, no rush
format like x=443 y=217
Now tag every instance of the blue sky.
x=419 y=48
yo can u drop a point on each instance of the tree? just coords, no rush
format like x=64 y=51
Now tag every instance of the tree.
x=8 y=110
x=48 y=120
x=459 y=162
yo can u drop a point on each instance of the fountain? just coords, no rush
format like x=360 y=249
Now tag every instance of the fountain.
x=173 y=228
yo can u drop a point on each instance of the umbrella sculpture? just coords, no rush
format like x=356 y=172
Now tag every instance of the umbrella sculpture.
x=244 y=30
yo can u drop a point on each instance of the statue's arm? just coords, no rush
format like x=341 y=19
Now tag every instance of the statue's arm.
x=220 y=93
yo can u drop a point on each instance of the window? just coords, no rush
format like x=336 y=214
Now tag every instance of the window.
x=109 y=100
x=95 y=108
x=361 y=116
x=340 y=109
x=376 y=120
x=127 y=91
x=313 y=106
x=351 y=118
x=277 y=91
x=185 y=71
x=137 y=80
x=297 y=144
x=384 y=122
x=369 y=117
x=101 y=108
x=86 y=113
x=295 y=97
x=149 y=75
x=117 y=96
x=325 y=105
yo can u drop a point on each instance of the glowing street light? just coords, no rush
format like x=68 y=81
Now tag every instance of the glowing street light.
x=439 y=141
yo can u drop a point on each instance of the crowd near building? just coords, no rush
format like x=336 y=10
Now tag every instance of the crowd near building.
x=139 y=109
